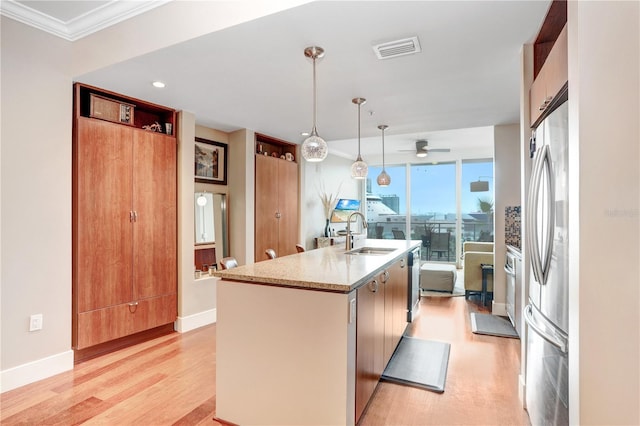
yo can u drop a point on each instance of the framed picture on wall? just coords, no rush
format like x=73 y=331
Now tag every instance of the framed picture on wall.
x=210 y=162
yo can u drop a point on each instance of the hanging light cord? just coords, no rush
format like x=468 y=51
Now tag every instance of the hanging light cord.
x=313 y=130
x=382 y=149
x=359 y=157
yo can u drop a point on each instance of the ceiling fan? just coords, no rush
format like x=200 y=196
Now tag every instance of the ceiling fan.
x=422 y=148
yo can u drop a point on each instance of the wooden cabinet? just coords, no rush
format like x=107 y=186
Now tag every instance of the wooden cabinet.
x=276 y=204
x=396 y=302
x=381 y=322
x=124 y=230
x=369 y=341
x=552 y=77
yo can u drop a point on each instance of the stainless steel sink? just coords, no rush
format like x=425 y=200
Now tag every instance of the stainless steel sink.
x=379 y=251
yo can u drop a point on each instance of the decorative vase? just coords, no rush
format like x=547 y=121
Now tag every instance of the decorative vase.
x=326 y=229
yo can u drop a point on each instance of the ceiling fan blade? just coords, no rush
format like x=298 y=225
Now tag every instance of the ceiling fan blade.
x=438 y=150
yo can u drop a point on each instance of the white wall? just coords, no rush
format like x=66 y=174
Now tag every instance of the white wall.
x=36 y=203
x=507 y=193
x=331 y=175
x=241 y=195
x=604 y=134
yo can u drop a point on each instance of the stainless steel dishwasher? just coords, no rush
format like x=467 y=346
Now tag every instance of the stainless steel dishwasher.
x=413 y=261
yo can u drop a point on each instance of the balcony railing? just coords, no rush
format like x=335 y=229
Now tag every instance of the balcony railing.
x=435 y=246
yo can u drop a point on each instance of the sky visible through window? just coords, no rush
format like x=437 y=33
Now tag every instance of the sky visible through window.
x=433 y=187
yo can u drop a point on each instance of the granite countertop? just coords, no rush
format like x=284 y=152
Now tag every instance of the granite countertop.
x=327 y=269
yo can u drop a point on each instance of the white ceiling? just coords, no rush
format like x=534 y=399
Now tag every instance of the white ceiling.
x=255 y=75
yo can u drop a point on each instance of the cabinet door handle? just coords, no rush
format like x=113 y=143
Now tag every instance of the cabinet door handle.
x=385 y=277
x=135 y=216
x=133 y=307
x=373 y=286
x=278 y=215
x=402 y=263
x=546 y=103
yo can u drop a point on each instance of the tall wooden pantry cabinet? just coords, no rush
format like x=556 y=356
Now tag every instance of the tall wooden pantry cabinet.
x=124 y=221
x=276 y=197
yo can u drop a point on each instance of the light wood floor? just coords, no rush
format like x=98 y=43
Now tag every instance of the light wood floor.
x=171 y=380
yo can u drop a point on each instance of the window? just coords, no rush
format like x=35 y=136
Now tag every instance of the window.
x=429 y=210
x=433 y=210
x=477 y=207
x=386 y=206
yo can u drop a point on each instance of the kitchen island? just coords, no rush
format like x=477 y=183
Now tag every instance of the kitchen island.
x=303 y=339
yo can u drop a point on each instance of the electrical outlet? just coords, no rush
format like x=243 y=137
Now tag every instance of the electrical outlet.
x=35 y=322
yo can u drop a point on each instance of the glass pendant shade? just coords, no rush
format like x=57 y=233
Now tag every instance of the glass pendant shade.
x=314 y=148
x=359 y=169
x=383 y=178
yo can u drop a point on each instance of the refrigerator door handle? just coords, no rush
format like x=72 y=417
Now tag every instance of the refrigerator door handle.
x=532 y=223
x=509 y=271
x=555 y=341
x=551 y=211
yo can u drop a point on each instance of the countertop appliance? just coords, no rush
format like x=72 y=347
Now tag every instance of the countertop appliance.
x=546 y=315
x=513 y=268
x=413 y=261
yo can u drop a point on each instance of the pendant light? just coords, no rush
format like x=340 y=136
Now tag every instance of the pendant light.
x=383 y=178
x=359 y=169
x=314 y=148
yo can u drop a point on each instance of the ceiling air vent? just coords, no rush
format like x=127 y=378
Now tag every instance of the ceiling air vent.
x=392 y=49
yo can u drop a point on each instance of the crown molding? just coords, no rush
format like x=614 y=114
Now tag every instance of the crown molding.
x=81 y=26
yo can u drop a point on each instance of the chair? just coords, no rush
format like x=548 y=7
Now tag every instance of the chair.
x=440 y=244
x=300 y=248
x=379 y=232
x=426 y=242
x=228 y=263
x=398 y=235
x=271 y=253
x=475 y=254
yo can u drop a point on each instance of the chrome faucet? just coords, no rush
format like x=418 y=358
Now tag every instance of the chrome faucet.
x=349 y=243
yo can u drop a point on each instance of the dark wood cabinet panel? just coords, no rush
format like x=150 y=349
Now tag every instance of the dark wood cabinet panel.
x=267 y=209
x=154 y=201
x=288 y=201
x=104 y=230
x=369 y=342
x=276 y=204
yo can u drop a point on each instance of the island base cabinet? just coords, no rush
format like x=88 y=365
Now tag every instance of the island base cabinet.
x=396 y=296
x=284 y=355
x=369 y=342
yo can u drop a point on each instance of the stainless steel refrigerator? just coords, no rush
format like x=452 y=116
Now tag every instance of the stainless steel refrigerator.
x=546 y=315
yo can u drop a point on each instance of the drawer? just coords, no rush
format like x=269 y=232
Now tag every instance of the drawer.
x=103 y=325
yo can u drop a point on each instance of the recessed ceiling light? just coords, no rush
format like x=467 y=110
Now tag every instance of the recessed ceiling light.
x=158 y=84
x=304 y=133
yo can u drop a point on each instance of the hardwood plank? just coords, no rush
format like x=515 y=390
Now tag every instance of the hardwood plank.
x=171 y=380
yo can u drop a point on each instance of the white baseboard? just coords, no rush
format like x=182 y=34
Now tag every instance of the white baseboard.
x=522 y=389
x=33 y=371
x=191 y=322
x=499 y=309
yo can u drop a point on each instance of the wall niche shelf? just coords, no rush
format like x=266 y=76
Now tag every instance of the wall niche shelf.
x=105 y=105
x=272 y=145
